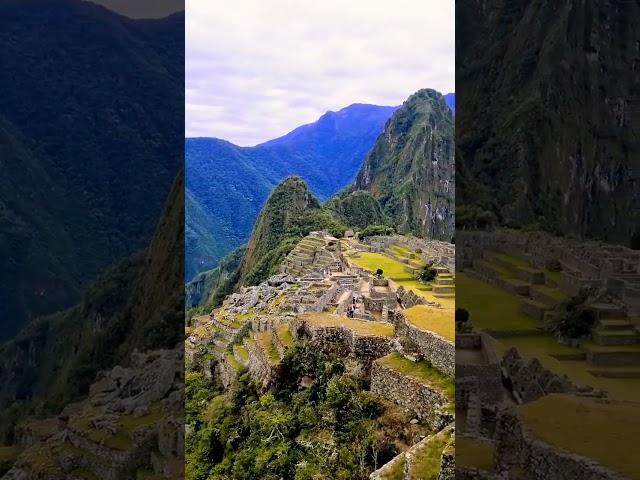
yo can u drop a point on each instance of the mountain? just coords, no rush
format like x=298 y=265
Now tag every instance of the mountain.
x=232 y=183
x=290 y=213
x=136 y=305
x=549 y=130
x=410 y=169
x=88 y=139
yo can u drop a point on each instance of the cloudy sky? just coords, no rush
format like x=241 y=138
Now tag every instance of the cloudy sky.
x=256 y=69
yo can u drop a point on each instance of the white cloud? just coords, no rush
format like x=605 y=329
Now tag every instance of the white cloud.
x=256 y=69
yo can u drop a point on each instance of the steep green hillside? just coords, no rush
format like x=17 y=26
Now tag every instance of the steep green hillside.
x=198 y=291
x=90 y=142
x=206 y=239
x=410 y=169
x=137 y=305
x=548 y=128
x=232 y=183
x=290 y=213
x=357 y=209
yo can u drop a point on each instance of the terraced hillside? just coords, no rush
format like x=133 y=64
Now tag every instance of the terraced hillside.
x=524 y=296
x=321 y=309
x=558 y=337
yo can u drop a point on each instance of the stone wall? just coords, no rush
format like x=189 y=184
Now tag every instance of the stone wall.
x=438 y=351
x=343 y=341
x=429 y=405
x=259 y=365
x=485 y=366
x=515 y=446
x=383 y=472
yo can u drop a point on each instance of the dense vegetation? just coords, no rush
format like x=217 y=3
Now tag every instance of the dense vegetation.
x=90 y=141
x=538 y=139
x=410 y=169
x=54 y=360
x=333 y=429
x=198 y=291
x=357 y=209
x=230 y=184
x=290 y=213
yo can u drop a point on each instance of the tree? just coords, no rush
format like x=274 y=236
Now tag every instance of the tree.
x=379 y=273
x=427 y=274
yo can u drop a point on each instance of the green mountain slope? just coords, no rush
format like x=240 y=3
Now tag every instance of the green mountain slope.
x=410 y=169
x=548 y=132
x=136 y=305
x=289 y=214
x=90 y=146
x=232 y=183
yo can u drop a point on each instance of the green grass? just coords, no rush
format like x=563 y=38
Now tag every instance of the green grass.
x=440 y=321
x=420 y=371
x=284 y=334
x=491 y=307
x=361 y=327
x=474 y=453
x=8 y=455
x=396 y=472
x=231 y=360
x=596 y=429
x=265 y=341
x=242 y=352
x=426 y=465
x=542 y=345
x=128 y=424
x=395 y=271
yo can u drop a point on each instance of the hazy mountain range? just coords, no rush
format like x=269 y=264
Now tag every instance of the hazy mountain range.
x=227 y=185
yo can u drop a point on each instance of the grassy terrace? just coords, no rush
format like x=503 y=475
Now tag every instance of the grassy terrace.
x=231 y=360
x=491 y=307
x=474 y=453
x=285 y=335
x=397 y=472
x=265 y=341
x=361 y=327
x=426 y=465
x=394 y=270
x=241 y=352
x=587 y=427
x=440 y=321
x=128 y=424
x=8 y=455
x=420 y=371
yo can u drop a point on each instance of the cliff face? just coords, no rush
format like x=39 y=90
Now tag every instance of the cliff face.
x=547 y=131
x=410 y=169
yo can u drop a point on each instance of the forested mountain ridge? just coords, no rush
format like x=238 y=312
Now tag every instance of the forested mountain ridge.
x=410 y=169
x=89 y=105
x=232 y=183
x=136 y=305
x=548 y=133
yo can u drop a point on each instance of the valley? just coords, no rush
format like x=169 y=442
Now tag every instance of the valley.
x=325 y=348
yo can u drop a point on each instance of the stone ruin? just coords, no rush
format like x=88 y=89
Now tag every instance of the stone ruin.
x=131 y=424
x=254 y=328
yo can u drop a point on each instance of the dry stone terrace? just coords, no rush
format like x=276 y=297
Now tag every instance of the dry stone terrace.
x=322 y=299
x=130 y=426
x=513 y=371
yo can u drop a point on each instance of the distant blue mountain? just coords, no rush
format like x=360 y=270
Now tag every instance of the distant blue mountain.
x=227 y=184
x=450 y=98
